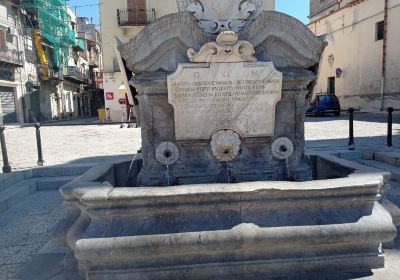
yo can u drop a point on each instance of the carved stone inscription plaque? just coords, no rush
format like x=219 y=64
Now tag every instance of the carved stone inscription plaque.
x=237 y=96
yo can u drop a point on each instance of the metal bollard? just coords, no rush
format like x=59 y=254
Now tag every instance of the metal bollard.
x=39 y=145
x=6 y=164
x=351 y=129
x=389 y=142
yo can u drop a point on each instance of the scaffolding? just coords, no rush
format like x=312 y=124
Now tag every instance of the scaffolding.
x=50 y=18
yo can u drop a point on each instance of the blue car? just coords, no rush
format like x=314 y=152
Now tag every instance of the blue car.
x=324 y=104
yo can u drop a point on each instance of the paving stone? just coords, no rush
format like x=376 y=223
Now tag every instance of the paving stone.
x=7 y=253
x=25 y=253
x=64 y=144
x=9 y=272
x=26 y=228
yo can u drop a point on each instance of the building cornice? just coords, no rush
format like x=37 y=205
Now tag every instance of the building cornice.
x=348 y=5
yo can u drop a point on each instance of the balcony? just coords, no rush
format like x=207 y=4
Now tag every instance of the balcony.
x=135 y=17
x=79 y=45
x=75 y=74
x=12 y=57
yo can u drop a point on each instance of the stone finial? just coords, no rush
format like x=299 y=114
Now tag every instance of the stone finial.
x=227 y=48
x=215 y=16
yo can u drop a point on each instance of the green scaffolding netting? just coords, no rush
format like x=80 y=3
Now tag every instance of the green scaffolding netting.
x=55 y=27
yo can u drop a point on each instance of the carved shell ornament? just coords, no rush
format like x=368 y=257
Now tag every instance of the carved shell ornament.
x=227 y=48
x=225 y=145
x=215 y=16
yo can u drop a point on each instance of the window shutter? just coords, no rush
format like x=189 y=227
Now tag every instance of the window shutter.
x=137 y=11
x=3 y=42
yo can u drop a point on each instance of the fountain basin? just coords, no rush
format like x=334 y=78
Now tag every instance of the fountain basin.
x=234 y=231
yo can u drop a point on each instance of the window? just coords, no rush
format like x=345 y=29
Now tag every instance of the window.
x=137 y=11
x=380 y=30
x=116 y=65
x=331 y=85
x=3 y=39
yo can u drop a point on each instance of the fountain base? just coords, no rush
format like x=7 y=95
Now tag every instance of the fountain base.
x=232 y=231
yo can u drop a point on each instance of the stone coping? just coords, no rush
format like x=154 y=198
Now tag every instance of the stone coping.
x=88 y=188
x=374 y=228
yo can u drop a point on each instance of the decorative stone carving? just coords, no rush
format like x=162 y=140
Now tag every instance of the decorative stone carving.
x=282 y=148
x=215 y=16
x=276 y=37
x=227 y=48
x=225 y=145
x=167 y=153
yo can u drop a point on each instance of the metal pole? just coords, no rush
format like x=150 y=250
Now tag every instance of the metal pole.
x=39 y=145
x=6 y=164
x=351 y=129
x=390 y=127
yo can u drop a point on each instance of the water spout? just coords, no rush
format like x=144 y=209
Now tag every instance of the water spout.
x=168 y=176
x=131 y=165
x=228 y=177
x=288 y=175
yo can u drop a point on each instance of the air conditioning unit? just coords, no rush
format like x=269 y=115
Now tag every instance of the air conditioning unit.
x=11 y=31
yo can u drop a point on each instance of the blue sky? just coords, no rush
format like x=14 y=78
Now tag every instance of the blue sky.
x=297 y=8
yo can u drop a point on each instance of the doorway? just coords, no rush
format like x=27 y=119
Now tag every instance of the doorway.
x=7 y=99
x=332 y=85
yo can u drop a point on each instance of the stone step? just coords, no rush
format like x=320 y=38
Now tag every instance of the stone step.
x=52 y=183
x=60 y=170
x=393 y=194
x=393 y=210
x=388 y=157
x=383 y=166
x=9 y=179
x=17 y=192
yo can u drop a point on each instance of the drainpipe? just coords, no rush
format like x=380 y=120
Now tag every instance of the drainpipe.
x=385 y=36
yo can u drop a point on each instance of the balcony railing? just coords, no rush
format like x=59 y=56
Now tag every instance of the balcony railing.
x=135 y=17
x=94 y=60
x=73 y=72
x=12 y=57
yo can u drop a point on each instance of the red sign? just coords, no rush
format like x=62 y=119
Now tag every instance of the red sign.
x=110 y=95
x=122 y=101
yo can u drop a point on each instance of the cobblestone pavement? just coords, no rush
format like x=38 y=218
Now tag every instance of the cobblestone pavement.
x=370 y=131
x=63 y=144
x=26 y=228
x=66 y=144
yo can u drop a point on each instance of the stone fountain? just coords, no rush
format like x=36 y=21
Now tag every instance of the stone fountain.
x=222 y=189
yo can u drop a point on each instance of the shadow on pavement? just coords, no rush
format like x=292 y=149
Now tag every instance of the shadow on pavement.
x=364 y=117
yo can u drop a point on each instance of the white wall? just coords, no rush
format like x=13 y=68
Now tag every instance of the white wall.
x=350 y=34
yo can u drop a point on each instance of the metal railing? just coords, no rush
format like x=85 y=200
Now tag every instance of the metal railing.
x=74 y=73
x=135 y=17
x=11 y=56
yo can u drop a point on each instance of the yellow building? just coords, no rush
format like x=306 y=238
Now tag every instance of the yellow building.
x=124 y=19
x=361 y=63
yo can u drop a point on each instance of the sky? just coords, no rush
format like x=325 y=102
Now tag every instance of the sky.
x=297 y=8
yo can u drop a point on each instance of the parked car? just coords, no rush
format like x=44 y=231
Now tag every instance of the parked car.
x=324 y=104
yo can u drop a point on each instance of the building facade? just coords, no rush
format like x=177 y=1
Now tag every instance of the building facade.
x=124 y=19
x=360 y=63
x=50 y=62
x=17 y=65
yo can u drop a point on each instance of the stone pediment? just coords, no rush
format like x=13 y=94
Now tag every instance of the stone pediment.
x=276 y=38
